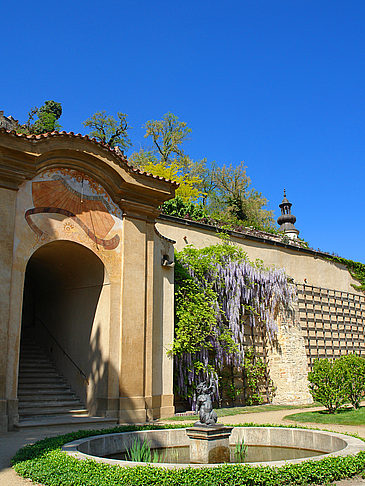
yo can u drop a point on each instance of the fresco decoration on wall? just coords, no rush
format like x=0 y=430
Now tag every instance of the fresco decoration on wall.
x=74 y=195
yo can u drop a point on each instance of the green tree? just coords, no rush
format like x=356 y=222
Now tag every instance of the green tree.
x=168 y=136
x=167 y=158
x=109 y=130
x=232 y=197
x=143 y=158
x=47 y=116
x=188 y=188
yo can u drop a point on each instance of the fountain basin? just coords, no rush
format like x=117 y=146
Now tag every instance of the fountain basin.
x=328 y=443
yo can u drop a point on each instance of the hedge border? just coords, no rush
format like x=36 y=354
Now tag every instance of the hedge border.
x=45 y=463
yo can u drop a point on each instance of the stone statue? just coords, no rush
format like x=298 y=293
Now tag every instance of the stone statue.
x=204 y=404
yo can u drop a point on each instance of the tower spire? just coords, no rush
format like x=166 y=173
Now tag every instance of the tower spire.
x=286 y=220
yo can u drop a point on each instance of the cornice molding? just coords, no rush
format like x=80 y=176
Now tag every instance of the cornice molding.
x=138 y=194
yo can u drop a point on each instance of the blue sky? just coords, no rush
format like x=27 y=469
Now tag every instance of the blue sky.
x=278 y=84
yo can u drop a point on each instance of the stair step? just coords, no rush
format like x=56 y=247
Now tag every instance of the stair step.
x=50 y=403
x=32 y=364
x=46 y=392
x=55 y=420
x=45 y=397
x=29 y=346
x=35 y=361
x=27 y=412
x=32 y=353
x=41 y=374
x=43 y=386
x=35 y=369
x=49 y=398
x=40 y=379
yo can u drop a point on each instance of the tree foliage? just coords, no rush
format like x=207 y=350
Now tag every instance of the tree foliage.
x=187 y=190
x=168 y=135
x=166 y=157
x=232 y=197
x=107 y=129
x=47 y=116
x=225 y=192
x=180 y=208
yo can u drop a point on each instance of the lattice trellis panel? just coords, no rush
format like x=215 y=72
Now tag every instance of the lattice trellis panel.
x=333 y=322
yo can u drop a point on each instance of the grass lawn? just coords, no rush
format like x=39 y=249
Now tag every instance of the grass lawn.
x=225 y=412
x=344 y=416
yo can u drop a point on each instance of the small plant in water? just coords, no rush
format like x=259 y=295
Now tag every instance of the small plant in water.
x=240 y=451
x=140 y=451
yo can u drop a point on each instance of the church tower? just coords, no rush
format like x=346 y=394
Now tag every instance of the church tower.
x=286 y=220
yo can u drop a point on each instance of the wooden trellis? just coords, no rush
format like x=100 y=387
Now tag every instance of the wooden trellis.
x=332 y=321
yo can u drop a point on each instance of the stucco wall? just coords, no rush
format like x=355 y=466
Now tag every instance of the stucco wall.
x=7 y=218
x=163 y=334
x=287 y=359
x=298 y=264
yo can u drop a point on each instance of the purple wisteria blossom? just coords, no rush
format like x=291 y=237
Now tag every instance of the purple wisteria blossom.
x=245 y=292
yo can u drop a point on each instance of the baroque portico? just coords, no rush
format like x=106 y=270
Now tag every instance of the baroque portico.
x=81 y=263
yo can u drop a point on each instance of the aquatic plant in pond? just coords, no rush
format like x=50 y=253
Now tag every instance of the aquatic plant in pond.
x=140 y=451
x=217 y=290
x=240 y=451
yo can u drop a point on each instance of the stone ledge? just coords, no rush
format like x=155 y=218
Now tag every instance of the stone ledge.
x=330 y=443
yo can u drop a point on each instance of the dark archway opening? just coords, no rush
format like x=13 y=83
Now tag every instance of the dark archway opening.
x=63 y=294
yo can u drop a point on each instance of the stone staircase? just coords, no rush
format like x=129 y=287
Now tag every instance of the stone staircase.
x=45 y=397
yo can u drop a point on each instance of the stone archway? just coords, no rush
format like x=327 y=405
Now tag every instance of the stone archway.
x=66 y=312
x=60 y=189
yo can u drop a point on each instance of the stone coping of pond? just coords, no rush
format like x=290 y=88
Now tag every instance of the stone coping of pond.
x=330 y=443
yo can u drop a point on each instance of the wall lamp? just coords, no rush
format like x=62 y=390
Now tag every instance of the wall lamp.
x=165 y=262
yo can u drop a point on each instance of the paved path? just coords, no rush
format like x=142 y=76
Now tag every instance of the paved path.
x=10 y=442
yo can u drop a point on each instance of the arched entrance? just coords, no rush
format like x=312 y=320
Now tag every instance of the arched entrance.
x=65 y=310
x=72 y=203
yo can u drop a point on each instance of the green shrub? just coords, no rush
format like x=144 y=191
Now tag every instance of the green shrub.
x=255 y=373
x=45 y=463
x=354 y=369
x=179 y=208
x=327 y=383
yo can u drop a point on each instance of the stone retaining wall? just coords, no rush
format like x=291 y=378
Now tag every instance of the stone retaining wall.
x=317 y=440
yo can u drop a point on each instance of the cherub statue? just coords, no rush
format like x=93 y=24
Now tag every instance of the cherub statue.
x=204 y=404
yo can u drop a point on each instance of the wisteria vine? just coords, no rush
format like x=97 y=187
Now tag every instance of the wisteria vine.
x=217 y=289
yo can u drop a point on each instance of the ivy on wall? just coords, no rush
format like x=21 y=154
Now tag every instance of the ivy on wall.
x=356 y=269
x=217 y=290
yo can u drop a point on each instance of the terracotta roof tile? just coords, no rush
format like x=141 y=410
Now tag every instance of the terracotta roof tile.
x=105 y=146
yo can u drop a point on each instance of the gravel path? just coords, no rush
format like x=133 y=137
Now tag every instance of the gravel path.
x=10 y=442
